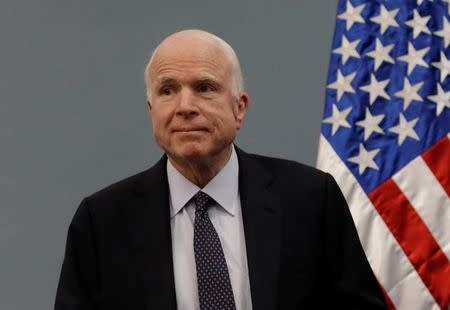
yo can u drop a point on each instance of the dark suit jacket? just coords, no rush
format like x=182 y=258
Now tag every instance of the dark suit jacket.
x=302 y=247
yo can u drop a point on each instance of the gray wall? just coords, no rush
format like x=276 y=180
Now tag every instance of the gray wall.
x=73 y=116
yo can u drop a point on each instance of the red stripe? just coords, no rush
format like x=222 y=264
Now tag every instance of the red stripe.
x=438 y=160
x=415 y=239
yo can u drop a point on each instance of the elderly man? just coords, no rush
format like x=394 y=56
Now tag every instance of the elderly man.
x=210 y=226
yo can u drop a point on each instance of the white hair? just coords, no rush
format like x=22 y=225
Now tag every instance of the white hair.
x=236 y=72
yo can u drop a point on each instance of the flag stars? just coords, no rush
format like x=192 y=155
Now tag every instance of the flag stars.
x=405 y=129
x=343 y=84
x=352 y=15
x=409 y=93
x=419 y=24
x=443 y=65
x=441 y=99
x=444 y=32
x=347 y=49
x=381 y=53
x=371 y=124
x=338 y=119
x=385 y=19
x=414 y=57
x=376 y=89
x=364 y=159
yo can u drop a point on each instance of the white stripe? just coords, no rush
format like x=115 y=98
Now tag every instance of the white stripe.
x=387 y=259
x=432 y=204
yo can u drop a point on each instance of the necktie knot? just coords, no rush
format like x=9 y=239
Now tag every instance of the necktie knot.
x=202 y=201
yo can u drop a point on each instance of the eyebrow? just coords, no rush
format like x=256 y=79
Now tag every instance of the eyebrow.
x=206 y=80
x=165 y=80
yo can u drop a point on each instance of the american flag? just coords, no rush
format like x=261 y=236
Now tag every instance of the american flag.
x=385 y=138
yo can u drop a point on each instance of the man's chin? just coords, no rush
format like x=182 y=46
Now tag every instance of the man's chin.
x=191 y=152
x=196 y=152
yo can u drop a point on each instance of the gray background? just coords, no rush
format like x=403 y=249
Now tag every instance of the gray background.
x=73 y=116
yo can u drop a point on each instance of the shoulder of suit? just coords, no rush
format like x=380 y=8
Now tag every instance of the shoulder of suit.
x=120 y=189
x=134 y=183
x=286 y=167
x=294 y=179
x=107 y=202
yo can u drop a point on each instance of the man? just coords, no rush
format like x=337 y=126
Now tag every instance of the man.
x=210 y=226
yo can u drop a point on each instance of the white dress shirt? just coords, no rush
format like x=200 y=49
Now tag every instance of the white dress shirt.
x=227 y=220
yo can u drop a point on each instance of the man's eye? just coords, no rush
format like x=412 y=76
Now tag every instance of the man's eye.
x=204 y=88
x=166 y=91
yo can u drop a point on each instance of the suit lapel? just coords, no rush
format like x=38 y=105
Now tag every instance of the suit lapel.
x=148 y=222
x=262 y=224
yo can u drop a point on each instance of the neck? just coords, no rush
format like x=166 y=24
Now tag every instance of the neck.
x=201 y=171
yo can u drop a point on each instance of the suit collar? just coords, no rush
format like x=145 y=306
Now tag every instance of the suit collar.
x=262 y=225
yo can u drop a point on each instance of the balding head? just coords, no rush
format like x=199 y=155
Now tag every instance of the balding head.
x=193 y=39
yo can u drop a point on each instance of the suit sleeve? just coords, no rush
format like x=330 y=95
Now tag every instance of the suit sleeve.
x=78 y=287
x=355 y=286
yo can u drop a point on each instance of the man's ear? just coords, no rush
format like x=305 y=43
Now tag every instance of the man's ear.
x=149 y=106
x=242 y=106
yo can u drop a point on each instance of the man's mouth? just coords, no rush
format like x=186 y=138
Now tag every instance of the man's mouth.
x=190 y=129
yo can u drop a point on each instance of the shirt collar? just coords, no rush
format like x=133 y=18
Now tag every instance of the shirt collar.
x=223 y=188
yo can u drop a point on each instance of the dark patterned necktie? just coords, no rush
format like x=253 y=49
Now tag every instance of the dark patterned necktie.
x=214 y=286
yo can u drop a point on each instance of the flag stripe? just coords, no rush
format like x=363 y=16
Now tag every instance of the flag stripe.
x=438 y=160
x=387 y=259
x=415 y=239
x=433 y=204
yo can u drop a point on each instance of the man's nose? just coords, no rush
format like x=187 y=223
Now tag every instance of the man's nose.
x=187 y=105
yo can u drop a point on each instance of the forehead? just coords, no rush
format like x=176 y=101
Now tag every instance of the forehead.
x=186 y=57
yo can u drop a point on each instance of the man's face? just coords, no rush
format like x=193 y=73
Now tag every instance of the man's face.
x=194 y=112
